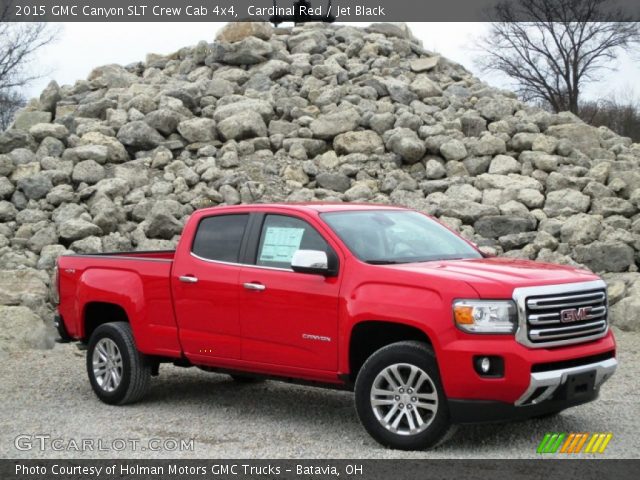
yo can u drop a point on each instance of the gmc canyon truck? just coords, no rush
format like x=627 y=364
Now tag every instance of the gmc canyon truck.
x=426 y=330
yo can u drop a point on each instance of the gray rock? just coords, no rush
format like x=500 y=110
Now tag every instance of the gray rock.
x=468 y=212
x=140 y=135
x=498 y=226
x=87 y=245
x=400 y=91
x=453 y=150
x=360 y=192
x=17 y=285
x=624 y=314
x=332 y=124
x=111 y=76
x=35 y=186
x=435 y=169
x=425 y=64
x=164 y=120
x=40 y=131
x=487 y=145
x=605 y=256
x=6 y=188
x=248 y=51
x=473 y=125
x=228 y=110
x=25 y=119
x=581 y=229
x=198 y=130
x=116 y=152
x=237 y=31
x=97 y=153
x=582 y=136
x=8 y=211
x=334 y=181
x=243 y=125
x=566 y=202
x=43 y=237
x=608 y=206
x=406 y=144
x=50 y=97
x=424 y=87
x=76 y=229
x=495 y=108
x=367 y=142
x=504 y=164
x=88 y=171
x=27 y=330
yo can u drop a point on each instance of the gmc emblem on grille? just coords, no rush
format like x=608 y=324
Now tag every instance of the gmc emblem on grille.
x=574 y=314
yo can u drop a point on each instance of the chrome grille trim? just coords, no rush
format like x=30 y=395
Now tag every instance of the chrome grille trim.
x=540 y=328
x=551 y=318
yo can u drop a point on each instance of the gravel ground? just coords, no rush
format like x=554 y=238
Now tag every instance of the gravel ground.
x=47 y=392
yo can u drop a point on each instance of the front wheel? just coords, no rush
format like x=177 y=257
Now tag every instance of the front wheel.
x=399 y=397
x=118 y=373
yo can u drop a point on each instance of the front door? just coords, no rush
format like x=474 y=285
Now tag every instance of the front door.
x=288 y=318
x=205 y=288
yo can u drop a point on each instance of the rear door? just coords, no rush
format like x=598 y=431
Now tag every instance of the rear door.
x=205 y=287
x=288 y=319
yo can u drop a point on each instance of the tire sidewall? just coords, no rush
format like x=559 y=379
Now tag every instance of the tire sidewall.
x=117 y=395
x=410 y=354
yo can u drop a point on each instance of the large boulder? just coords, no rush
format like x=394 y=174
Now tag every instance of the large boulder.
x=23 y=329
x=140 y=135
x=16 y=286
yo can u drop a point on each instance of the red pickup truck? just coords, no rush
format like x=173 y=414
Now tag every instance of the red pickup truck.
x=386 y=301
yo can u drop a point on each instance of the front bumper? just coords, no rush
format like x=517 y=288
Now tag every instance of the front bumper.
x=548 y=392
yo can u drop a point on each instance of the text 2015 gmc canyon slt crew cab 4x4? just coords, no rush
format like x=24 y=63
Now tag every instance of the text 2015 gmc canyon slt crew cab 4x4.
x=384 y=300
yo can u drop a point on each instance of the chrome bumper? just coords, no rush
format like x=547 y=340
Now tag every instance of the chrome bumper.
x=553 y=379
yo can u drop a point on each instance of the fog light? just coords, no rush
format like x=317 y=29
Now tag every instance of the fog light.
x=490 y=366
x=485 y=364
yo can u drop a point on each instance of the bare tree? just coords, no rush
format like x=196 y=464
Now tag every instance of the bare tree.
x=10 y=103
x=19 y=43
x=619 y=111
x=563 y=45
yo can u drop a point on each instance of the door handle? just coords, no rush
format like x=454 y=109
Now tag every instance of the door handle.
x=188 y=279
x=255 y=286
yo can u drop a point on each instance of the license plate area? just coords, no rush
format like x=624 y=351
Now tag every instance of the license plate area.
x=580 y=384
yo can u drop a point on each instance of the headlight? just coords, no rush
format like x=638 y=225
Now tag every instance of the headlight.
x=485 y=316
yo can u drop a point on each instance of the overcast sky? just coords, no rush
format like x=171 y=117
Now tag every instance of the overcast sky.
x=84 y=46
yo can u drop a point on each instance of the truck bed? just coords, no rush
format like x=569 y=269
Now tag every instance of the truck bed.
x=140 y=282
x=134 y=255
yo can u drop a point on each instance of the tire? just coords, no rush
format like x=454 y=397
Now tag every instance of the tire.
x=416 y=364
x=239 y=378
x=112 y=349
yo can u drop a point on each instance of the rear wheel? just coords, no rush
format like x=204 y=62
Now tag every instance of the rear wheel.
x=118 y=373
x=400 y=399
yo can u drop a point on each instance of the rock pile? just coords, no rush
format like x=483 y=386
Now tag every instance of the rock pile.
x=312 y=113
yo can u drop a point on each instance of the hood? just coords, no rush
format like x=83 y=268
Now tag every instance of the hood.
x=497 y=277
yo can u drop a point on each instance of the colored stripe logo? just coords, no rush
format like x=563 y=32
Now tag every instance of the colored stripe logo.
x=569 y=443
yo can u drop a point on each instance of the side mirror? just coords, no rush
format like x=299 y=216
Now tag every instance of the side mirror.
x=311 y=261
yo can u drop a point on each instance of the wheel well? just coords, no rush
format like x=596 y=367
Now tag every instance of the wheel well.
x=368 y=337
x=98 y=313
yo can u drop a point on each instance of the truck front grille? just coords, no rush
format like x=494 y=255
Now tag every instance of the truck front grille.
x=564 y=318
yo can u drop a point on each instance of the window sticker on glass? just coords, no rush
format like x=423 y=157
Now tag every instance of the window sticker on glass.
x=280 y=243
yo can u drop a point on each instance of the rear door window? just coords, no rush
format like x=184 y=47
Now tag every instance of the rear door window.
x=219 y=237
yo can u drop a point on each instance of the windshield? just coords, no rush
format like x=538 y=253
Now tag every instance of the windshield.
x=397 y=236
